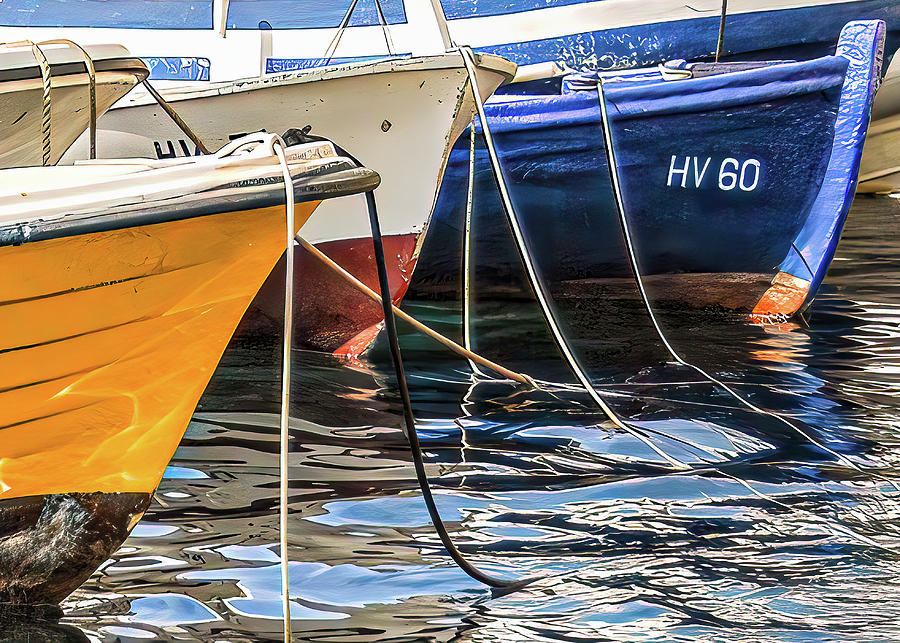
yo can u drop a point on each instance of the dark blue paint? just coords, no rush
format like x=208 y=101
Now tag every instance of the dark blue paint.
x=815 y=245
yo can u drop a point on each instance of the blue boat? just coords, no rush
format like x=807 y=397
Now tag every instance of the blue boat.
x=736 y=180
x=624 y=34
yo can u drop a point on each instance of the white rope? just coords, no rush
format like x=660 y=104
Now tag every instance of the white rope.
x=284 y=434
x=336 y=40
x=44 y=67
x=385 y=28
x=45 y=103
x=92 y=87
x=720 y=43
x=632 y=257
x=546 y=309
x=467 y=251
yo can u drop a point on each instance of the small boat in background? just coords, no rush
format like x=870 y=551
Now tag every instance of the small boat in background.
x=22 y=95
x=736 y=178
x=382 y=84
x=879 y=171
x=626 y=34
x=130 y=278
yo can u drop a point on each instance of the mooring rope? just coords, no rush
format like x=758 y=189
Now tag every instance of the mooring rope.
x=92 y=87
x=44 y=68
x=409 y=418
x=336 y=39
x=384 y=28
x=284 y=429
x=415 y=323
x=636 y=272
x=45 y=103
x=534 y=280
x=467 y=251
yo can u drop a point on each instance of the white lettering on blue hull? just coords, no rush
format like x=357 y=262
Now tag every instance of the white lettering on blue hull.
x=733 y=173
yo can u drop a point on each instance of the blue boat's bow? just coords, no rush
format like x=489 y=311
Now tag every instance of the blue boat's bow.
x=803 y=269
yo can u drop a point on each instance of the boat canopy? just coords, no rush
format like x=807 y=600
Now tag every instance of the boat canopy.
x=123 y=14
x=310 y=14
x=197 y=14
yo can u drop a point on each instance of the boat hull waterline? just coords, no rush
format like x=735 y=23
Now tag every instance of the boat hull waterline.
x=736 y=185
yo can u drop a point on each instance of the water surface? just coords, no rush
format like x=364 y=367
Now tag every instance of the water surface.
x=705 y=521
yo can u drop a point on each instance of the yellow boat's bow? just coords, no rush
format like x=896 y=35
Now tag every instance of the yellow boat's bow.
x=123 y=283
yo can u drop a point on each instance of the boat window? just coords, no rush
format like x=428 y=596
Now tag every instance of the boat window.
x=454 y=9
x=129 y=14
x=300 y=14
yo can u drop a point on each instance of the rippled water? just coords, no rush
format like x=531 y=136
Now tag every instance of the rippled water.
x=772 y=533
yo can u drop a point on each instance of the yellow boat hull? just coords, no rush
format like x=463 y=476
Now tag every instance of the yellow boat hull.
x=107 y=341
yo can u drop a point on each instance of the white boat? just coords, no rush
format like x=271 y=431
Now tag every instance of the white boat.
x=400 y=116
x=879 y=170
x=22 y=100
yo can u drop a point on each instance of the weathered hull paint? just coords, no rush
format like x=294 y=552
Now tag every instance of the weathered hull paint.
x=52 y=543
x=338 y=318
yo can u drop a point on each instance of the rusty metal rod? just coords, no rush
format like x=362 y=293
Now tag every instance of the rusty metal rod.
x=176 y=118
x=449 y=343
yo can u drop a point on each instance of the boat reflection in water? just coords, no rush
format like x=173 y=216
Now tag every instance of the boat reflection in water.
x=124 y=282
